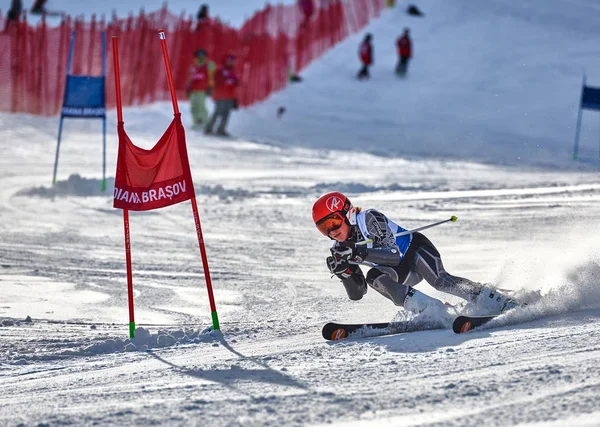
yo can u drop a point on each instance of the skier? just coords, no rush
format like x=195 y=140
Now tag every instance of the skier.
x=365 y=53
x=224 y=94
x=199 y=87
x=404 y=45
x=399 y=263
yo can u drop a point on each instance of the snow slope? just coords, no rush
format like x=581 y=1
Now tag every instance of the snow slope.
x=522 y=227
x=491 y=81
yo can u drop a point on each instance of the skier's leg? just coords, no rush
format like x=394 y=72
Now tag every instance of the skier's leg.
x=227 y=106
x=428 y=263
x=213 y=118
x=399 y=66
x=202 y=110
x=362 y=72
x=403 y=65
x=385 y=281
x=195 y=106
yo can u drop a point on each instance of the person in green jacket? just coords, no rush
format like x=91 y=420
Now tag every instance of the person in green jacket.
x=199 y=87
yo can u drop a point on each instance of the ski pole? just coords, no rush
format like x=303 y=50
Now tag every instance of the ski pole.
x=404 y=233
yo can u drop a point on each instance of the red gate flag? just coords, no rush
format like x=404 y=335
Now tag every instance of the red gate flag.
x=155 y=178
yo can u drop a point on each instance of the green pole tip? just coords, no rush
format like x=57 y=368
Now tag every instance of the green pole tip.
x=131 y=330
x=453 y=218
x=215 y=319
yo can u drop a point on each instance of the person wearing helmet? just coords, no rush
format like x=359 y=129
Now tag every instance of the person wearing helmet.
x=199 y=87
x=397 y=263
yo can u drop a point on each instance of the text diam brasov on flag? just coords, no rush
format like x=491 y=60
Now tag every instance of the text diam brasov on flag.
x=155 y=178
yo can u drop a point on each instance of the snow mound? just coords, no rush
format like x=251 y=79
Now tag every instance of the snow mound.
x=78 y=186
x=144 y=341
x=75 y=185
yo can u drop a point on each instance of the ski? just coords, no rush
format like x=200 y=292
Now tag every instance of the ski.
x=464 y=324
x=337 y=331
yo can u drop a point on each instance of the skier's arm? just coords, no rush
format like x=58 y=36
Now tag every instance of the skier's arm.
x=355 y=284
x=351 y=276
x=385 y=252
x=382 y=256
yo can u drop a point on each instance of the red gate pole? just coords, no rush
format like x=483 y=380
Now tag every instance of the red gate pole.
x=125 y=211
x=213 y=307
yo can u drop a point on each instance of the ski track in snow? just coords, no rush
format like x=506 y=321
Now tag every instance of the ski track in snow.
x=424 y=378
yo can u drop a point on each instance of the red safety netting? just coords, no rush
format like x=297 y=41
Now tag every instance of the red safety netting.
x=33 y=59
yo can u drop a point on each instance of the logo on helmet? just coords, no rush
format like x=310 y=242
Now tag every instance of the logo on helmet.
x=334 y=204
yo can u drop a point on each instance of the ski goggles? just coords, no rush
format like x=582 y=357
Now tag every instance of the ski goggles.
x=330 y=223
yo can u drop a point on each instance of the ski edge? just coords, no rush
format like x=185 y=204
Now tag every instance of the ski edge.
x=337 y=331
x=464 y=324
x=333 y=331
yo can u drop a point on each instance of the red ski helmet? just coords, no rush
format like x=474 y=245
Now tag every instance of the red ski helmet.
x=330 y=211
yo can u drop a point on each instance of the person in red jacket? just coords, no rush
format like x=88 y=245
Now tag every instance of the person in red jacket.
x=404 y=45
x=224 y=95
x=199 y=87
x=365 y=53
x=308 y=8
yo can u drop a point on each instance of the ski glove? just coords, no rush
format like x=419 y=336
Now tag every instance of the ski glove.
x=339 y=267
x=356 y=254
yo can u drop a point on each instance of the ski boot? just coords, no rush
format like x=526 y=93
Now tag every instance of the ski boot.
x=418 y=302
x=492 y=301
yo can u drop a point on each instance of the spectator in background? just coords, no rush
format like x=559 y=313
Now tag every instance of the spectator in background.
x=224 y=95
x=201 y=16
x=404 y=45
x=414 y=10
x=365 y=53
x=14 y=13
x=199 y=86
x=308 y=8
x=39 y=7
